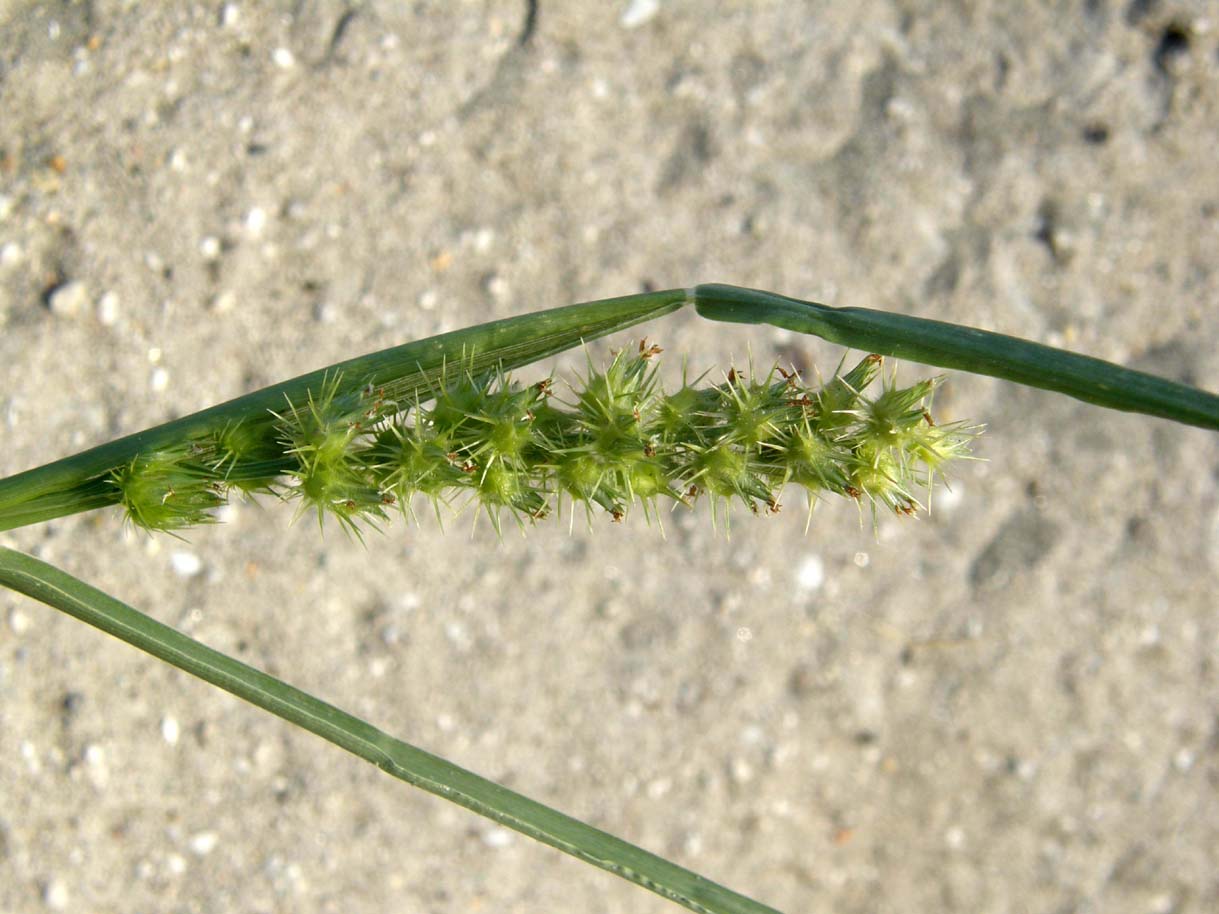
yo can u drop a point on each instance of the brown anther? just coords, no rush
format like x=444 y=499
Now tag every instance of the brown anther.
x=616 y=514
x=906 y=508
x=927 y=418
x=853 y=492
x=875 y=358
x=544 y=386
x=646 y=352
x=732 y=376
x=350 y=505
x=774 y=507
x=387 y=498
x=649 y=450
x=692 y=492
x=469 y=466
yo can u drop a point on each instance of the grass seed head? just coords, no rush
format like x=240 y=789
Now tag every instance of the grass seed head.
x=350 y=453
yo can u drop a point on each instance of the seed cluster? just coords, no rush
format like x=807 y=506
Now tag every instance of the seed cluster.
x=617 y=441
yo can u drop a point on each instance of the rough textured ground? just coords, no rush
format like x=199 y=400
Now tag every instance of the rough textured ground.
x=1012 y=706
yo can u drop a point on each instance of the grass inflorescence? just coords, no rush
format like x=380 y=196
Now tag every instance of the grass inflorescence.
x=617 y=440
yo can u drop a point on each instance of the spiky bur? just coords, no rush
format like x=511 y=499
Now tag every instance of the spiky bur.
x=618 y=440
x=168 y=490
x=326 y=437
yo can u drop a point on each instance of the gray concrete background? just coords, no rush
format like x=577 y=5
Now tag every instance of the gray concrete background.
x=1010 y=706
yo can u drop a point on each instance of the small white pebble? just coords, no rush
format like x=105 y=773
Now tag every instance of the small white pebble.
x=55 y=895
x=457 y=635
x=428 y=300
x=154 y=354
x=96 y=766
x=658 y=788
x=108 y=309
x=178 y=161
x=225 y=302
x=811 y=573
x=185 y=564
x=176 y=864
x=159 y=379
x=744 y=633
x=639 y=12
x=256 y=221
x=29 y=754
x=862 y=559
x=70 y=299
x=741 y=771
x=497 y=837
x=955 y=837
x=6 y=206
x=18 y=621
x=753 y=735
x=284 y=58
x=209 y=247
x=170 y=731
x=204 y=843
x=499 y=288
x=229 y=15
x=946 y=499
x=10 y=254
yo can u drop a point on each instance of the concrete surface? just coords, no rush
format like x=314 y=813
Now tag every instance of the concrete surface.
x=1011 y=706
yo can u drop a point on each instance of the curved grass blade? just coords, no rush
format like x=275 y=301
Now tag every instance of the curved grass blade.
x=59 y=589
x=967 y=349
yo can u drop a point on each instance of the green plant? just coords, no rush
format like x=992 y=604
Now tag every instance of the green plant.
x=357 y=440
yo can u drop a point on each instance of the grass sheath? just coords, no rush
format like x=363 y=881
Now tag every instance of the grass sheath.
x=440 y=417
